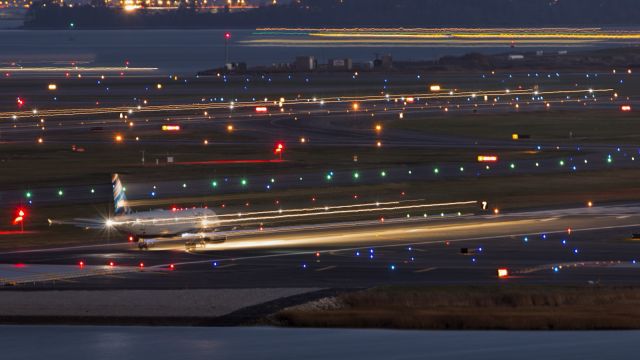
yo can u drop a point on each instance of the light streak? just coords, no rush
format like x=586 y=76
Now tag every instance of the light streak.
x=303 y=102
x=189 y=219
x=77 y=69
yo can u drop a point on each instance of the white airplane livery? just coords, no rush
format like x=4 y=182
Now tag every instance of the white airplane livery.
x=194 y=225
x=159 y=222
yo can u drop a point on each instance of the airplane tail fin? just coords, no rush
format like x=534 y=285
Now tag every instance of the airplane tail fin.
x=119 y=198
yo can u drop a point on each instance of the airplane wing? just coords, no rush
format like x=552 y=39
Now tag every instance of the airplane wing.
x=83 y=223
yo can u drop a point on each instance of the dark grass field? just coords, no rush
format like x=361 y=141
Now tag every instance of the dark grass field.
x=475 y=308
x=506 y=193
x=586 y=126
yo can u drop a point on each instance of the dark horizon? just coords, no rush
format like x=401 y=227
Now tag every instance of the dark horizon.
x=353 y=13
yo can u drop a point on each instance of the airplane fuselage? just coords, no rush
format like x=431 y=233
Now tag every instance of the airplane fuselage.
x=157 y=223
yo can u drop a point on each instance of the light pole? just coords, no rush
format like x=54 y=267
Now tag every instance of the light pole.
x=227 y=37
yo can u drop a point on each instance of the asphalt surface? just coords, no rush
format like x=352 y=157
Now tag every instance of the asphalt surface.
x=577 y=246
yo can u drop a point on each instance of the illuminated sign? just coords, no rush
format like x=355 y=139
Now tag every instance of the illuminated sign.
x=170 y=127
x=487 y=158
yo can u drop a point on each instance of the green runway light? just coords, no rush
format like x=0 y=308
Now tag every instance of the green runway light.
x=356 y=175
x=461 y=169
x=436 y=171
x=214 y=184
x=93 y=191
x=512 y=166
x=243 y=182
x=561 y=162
x=329 y=177
x=383 y=174
x=60 y=193
x=273 y=180
x=28 y=195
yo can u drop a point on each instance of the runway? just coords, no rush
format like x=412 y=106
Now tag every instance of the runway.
x=579 y=246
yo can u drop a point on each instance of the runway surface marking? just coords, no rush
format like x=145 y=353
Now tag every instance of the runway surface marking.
x=425 y=270
x=582 y=264
x=226 y=266
x=326 y=268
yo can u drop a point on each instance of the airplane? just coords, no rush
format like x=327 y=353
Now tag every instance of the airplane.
x=194 y=225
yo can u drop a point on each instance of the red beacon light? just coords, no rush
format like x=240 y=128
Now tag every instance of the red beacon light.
x=81 y=264
x=172 y=267
x=625 y=108
x=112 y=264
x=279 y=149
x=261 y=109
x=20 y=215
x=227 y=35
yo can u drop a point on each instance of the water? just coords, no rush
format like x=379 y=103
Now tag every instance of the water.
x=158 y=343
x=188 y=51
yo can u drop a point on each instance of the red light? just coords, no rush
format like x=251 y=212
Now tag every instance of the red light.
x=279 y=148
x=130 y=238
x=625 y=108
x=261 y=109
x=20 y=102
x=111 y=263
x=20 y=215
x=141 y=265
x=503 y=273
x=227 y=36
x=172 y=267
x=487 y=158
x=81 y=264
x=174 y=209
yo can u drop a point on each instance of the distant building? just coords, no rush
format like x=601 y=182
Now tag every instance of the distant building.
x=305 y=63
x=239 y=67
x=385 y=63
x=340 y=64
